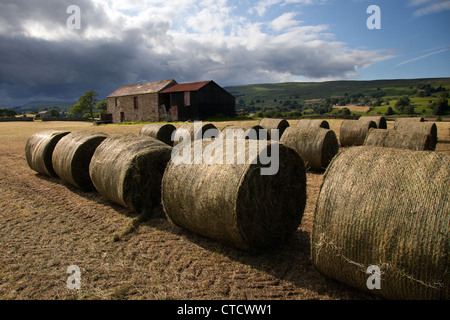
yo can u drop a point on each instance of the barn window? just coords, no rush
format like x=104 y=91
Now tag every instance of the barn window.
x=117 y=102
x=187 y=98
x=136 y=102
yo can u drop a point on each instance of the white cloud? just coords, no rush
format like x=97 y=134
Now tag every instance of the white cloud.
x=285 y=21
x=429 y=6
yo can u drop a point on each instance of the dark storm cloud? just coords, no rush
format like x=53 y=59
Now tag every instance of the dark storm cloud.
x=43 y=60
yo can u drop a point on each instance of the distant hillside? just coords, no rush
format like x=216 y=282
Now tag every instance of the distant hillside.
x=45 y=105
x=259 y=96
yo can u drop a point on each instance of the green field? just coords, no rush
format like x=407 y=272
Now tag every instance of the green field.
x=301 y=95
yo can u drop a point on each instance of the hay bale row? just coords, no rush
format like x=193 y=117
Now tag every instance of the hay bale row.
x=195 y=131
x=313 y=123
x=39 y=151
x=234 y=203
x=128 y=169
x=407 y=120
x=380 y=121
x=161 y=131
x=388 y=208
x=354 y=132
x=400 y=139
x=72 y=156
x=421 y=127
x=274 y=124
x=316 y=146
x=253 y=132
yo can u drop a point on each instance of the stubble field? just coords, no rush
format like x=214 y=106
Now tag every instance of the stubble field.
x=47 y=226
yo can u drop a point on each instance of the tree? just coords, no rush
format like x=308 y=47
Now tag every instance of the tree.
x=389 y=111
x=402 y=104
x=54 y=112
x=102 y=107
x=440 y=107
x=86 y=104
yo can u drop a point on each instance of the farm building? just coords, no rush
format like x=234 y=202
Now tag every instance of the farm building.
x=199 y=101
x=169 y=101
x=140 y=102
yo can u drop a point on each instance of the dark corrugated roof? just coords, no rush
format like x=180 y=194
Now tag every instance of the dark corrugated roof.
x=181 y=87
x=143 y=88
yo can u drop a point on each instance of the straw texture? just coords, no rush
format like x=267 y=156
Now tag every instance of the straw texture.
x=161 y=131
x=316 y=146
x=428 y=128
x=380 y=121
x=72 y=156
x=127 y=169
x=407 y=120
x=234 y=203
x=195 y=134
x=389 y=208
x=254 y=132
x=400 y=139
x=313 y=123
x=39 y=150
x=354 y=132
x=274 y=124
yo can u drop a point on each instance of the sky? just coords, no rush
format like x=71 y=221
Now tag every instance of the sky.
x=50 y=53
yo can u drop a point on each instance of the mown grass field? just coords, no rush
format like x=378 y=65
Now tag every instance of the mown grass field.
x=46 y=226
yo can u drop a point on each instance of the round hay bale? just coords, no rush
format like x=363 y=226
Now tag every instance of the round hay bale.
x=313 y=123
x=39 y=150
x=316 y=146
x=72 y=156
x=407 y=120
x=274 y=124
x=400 y=139
x=161 y=131
x=255 y=132
x=354 y=132
x=387 y=208
x=428 y=128
x=380 y=121
x=196 y=131
x=234 y=202
x=127 y=169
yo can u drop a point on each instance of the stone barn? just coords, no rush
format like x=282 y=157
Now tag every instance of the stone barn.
x=170 y=101
x=198 y=101
x=140 y=102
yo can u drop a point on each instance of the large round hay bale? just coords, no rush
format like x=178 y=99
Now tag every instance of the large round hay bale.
x=407 y=120
x=379 y=120
x=127 y=169
x=161 y=131
x=72 y=156
x=274 y=124
x=428 y=128
x=316 y=146
x=354 y=132
x=195 y=130
x=39 y=150
x=255 y=132
x=313 y=123
x=387 y=208
x=234 y=202
x=400 y=139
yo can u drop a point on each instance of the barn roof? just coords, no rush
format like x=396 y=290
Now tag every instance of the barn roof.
x=143 y=88
x=181 y=87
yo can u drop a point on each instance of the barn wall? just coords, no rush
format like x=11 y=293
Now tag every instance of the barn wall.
x=207 y=102
x=213 y=100
x=147 y=110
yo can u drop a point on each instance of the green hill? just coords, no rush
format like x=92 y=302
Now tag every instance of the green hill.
x=45 y=105
x=303 y=95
